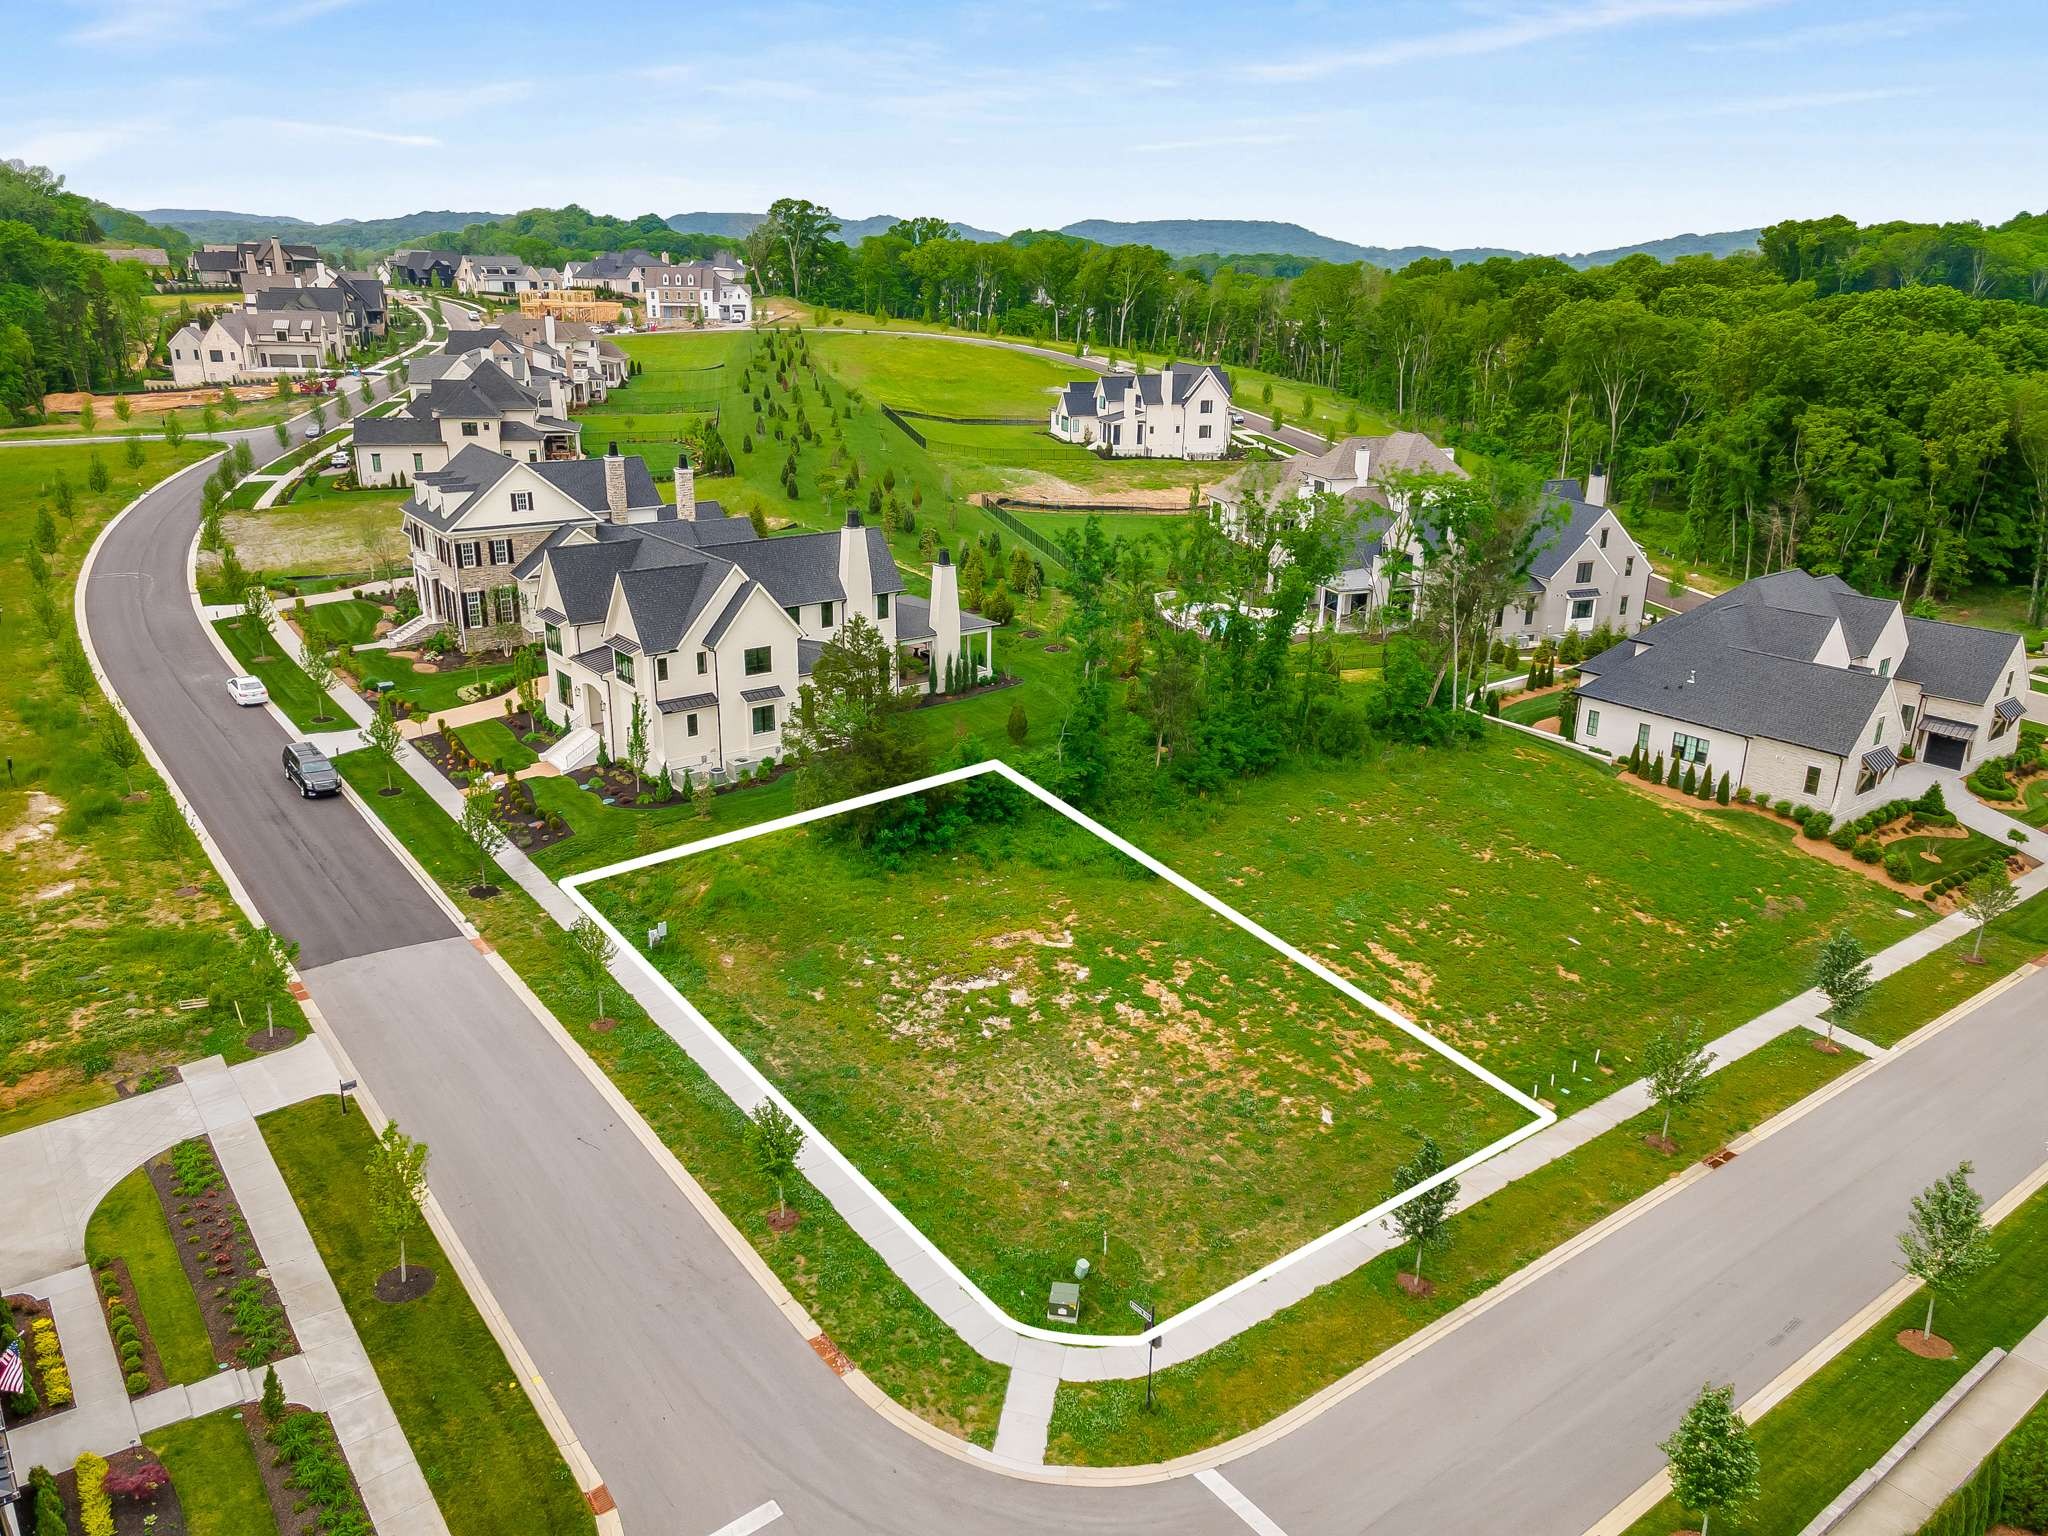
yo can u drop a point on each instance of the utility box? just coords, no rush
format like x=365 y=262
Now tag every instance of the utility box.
x=1064 y=1306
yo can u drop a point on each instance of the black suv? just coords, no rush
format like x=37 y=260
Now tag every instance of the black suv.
x=307 y=766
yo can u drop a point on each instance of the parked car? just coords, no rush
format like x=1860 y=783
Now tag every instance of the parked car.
x=1237 y=418
x=313 y=430
x=307 y=767
x=338 y=459
x=248 y=690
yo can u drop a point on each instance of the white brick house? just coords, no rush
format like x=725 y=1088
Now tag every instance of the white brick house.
x=1180 y=412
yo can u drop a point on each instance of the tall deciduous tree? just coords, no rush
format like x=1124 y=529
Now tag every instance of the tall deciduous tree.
x=1842 y=972
x=1945 y=1241
x=1987 y=897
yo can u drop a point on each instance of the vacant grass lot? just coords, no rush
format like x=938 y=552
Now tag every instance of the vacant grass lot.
x=1518 y=902
x=129 y=1225
x=477 y=1437
x=320 y=535
x=1274 y=1365
x=1816 y=1441
x=1036 y=1047
x=107 y=924
x=840 y=1280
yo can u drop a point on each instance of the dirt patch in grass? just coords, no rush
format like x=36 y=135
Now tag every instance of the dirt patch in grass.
x=395 y=1289
x=1928 y=1346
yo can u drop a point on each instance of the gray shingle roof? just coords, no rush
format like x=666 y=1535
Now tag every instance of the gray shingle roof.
x=694 y=701
x=396 y=432
x=665 y=600
x=765 y=695
x=1957 y=661
x=1747 y=693
x=600 y=660
x=804 y=567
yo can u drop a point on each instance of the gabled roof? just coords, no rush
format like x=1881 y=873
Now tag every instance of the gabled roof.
x=804 y=567
x=664 y=601
x=328 y=300
x=1957 y=661
x=1566 y=537
x=1747 y=693
x=396 y=432
x=1078 y=398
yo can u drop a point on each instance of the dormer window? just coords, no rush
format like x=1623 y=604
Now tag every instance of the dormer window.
x=522 y=501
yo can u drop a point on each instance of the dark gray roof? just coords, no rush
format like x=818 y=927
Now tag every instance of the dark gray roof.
x=1957 y=661
x=807 y=654
x=804 y=567
x=1078 y=399
x=470 y=473
x=583 y=479
x=665 y=600
x=624 y=643
x=1880 y=759
x=1748 y=693
x=584 y=574
x=761 y=695
x=327 y=300
x=2009 y=709
x=600 y=660
x=479 y=336
x=1567 y=533
x=723 y=622
x=1583 y=592
x=694 y=701
x=396 y=432
x=913 y=619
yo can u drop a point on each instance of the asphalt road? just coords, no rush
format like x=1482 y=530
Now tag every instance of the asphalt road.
x=698 y=1403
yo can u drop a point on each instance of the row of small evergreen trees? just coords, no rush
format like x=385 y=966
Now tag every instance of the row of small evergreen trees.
x=1693 y=782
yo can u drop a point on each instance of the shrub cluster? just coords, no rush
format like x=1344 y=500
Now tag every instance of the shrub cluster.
x=1963 y=874
x=95 y=1508
x=50 y=1366
x=305 y=1444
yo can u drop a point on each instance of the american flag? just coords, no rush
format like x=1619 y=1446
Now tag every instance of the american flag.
x=11 y=1379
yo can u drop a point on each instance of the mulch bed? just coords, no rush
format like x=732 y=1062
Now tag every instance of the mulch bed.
x=147 y=1082
x=417 y=1282
x=152 y=1366
x=264 y=1041
x=1928 y=1346
x=130 y=1515
x=1056 y=650
x=27 y=1309
x=220 y=1259
x=1663 y=1144
x=1414 y=1285
x=783 y=1220
x=287 y=1505
x=1826 y=1046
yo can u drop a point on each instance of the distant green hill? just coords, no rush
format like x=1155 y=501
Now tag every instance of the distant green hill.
x=215 y=226
x=737 y=226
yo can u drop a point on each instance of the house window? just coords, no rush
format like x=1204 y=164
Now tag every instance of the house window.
x=472 y=610
x=661 y=669
x=1884 y=666
x=213 y=355
x=506 y=601
x=501 y=551
x=469 y=429
x=562 y=687
x=1624 y=604
x=689 y=725
x=1582 y=607
x=764 y=718
x=1628 y=566
x=522 y=501
x=1906 y=713
x=1688 y=749
x=1812 y=781
x=1592 y=722
x=1643 y=739
x=1207 y=407
x=1866 y=781
x=796 y=615
x=466 y=554
x=1585 y=571
x=1878 y=739
x=703 y=662
x=622 y=664
x=554 y=633
x=1603 y=538
x=825 y=615
x=418 y=463
x=1529 y=612
x=376 y=463
x=881 y=605
x=757 y=659
x=1203 y=429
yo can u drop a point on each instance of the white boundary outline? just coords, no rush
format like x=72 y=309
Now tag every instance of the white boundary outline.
x=572 y=886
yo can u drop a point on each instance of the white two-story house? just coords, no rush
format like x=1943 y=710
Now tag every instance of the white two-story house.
x=481 y=407
x=1182 y=411
x=1588 y=572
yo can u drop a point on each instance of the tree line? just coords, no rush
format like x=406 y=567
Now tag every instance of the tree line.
x=1868 y=400
x=547 y=237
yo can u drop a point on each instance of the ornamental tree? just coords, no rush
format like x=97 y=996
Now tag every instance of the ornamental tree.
x=396 y=1176
x=1945 y=1241
x=1842 y=972
x=1676 y=1062
x=775 y=1139
x=1714 y=1462
x=1423 y=1219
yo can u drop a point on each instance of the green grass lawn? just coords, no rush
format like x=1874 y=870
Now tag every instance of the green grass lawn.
x=2033 y=803
x=1519 y=901
x=1934 y=857
x=440 y=689
x=103 y=945
x=1032 y=1045
x=947 y=378
x=841 y=1282
x=1532 y=711
x=492 y=741
x=481 y=1445
x=1854 y=1409
x=129 y=1225
x=213 y=1466
x=349 y=622
x=259 y=655
x=1275 y=1364
x=1935 y=983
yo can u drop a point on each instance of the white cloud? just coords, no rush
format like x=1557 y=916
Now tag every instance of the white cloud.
x=1791 y=101
x=327 y=130
x=1887 y=28
x=63 y=146
x=1501 y=36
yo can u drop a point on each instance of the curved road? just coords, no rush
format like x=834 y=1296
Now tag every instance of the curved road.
x=698 y=1403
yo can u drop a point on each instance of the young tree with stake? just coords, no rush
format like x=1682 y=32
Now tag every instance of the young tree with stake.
x=1990 y=895
x=592 y=951
x=383 y=738
x=1945 y=1241
x=397 y=1175
x=638 y=745
x=1714 y=1462
x=1423 y=1219
x=480 y=827
x=1842 y=972
x=320 y=673
x=1675 y=1064
x=775 y=1140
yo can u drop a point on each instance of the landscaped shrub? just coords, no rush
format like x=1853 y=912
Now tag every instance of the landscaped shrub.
x=143 y=1481
x=1866 y=850
x=1819 y=824
x=1899 y=865
x=95 y=1509
x=1843 y=837
x=1721 y=794
x=1671 y=781
x=1990 y=781
x=137 y=1383
x=2025 y=1463
x=56 y=1376
x=1690 y=783
x=1783 y=807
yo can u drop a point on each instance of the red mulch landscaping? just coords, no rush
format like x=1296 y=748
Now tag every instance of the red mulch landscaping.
x=1414 y=1285
x=1663 y=1144
x=1928 y=1346
x=244 y=1318
x=152 y=1366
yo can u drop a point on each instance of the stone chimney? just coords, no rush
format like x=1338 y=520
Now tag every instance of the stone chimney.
x=945 y=617
x=686 y=488
x=856 y=574
x=1362 y=464
x=614 y=484
x=1596 y=485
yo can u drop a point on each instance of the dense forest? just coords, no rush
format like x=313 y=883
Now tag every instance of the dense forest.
x=547 y=237
x=69 y=318
x=1871 y=399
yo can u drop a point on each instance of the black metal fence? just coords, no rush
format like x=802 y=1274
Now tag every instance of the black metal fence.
x=1028 y=534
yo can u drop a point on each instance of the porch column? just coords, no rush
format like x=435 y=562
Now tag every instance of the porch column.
x=989 y=652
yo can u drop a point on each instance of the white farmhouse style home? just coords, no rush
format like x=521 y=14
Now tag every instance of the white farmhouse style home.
x=1803 y=689
x=1588 y=572
x=495 y=275
x=240 y=346
x=481 y=408
x=693 y=293
x=1180 y=412
x=706 y=630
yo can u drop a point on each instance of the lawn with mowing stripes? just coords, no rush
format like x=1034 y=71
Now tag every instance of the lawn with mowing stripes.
x=1935 y=983
x=482 y=1447
x=258 y=654
x=130 y=1225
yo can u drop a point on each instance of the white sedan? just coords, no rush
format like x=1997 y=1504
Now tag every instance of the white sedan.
x=248 y=690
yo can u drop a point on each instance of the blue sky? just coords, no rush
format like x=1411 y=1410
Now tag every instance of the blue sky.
x=1537 y=124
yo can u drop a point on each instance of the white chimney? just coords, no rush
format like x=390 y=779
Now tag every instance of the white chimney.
x=547 y=327
x=686 y=488
x=1362 y=459
x=1451 y=454
x=945 y=616
x=1596 y=486
x=856 y=577
x=614 y=484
